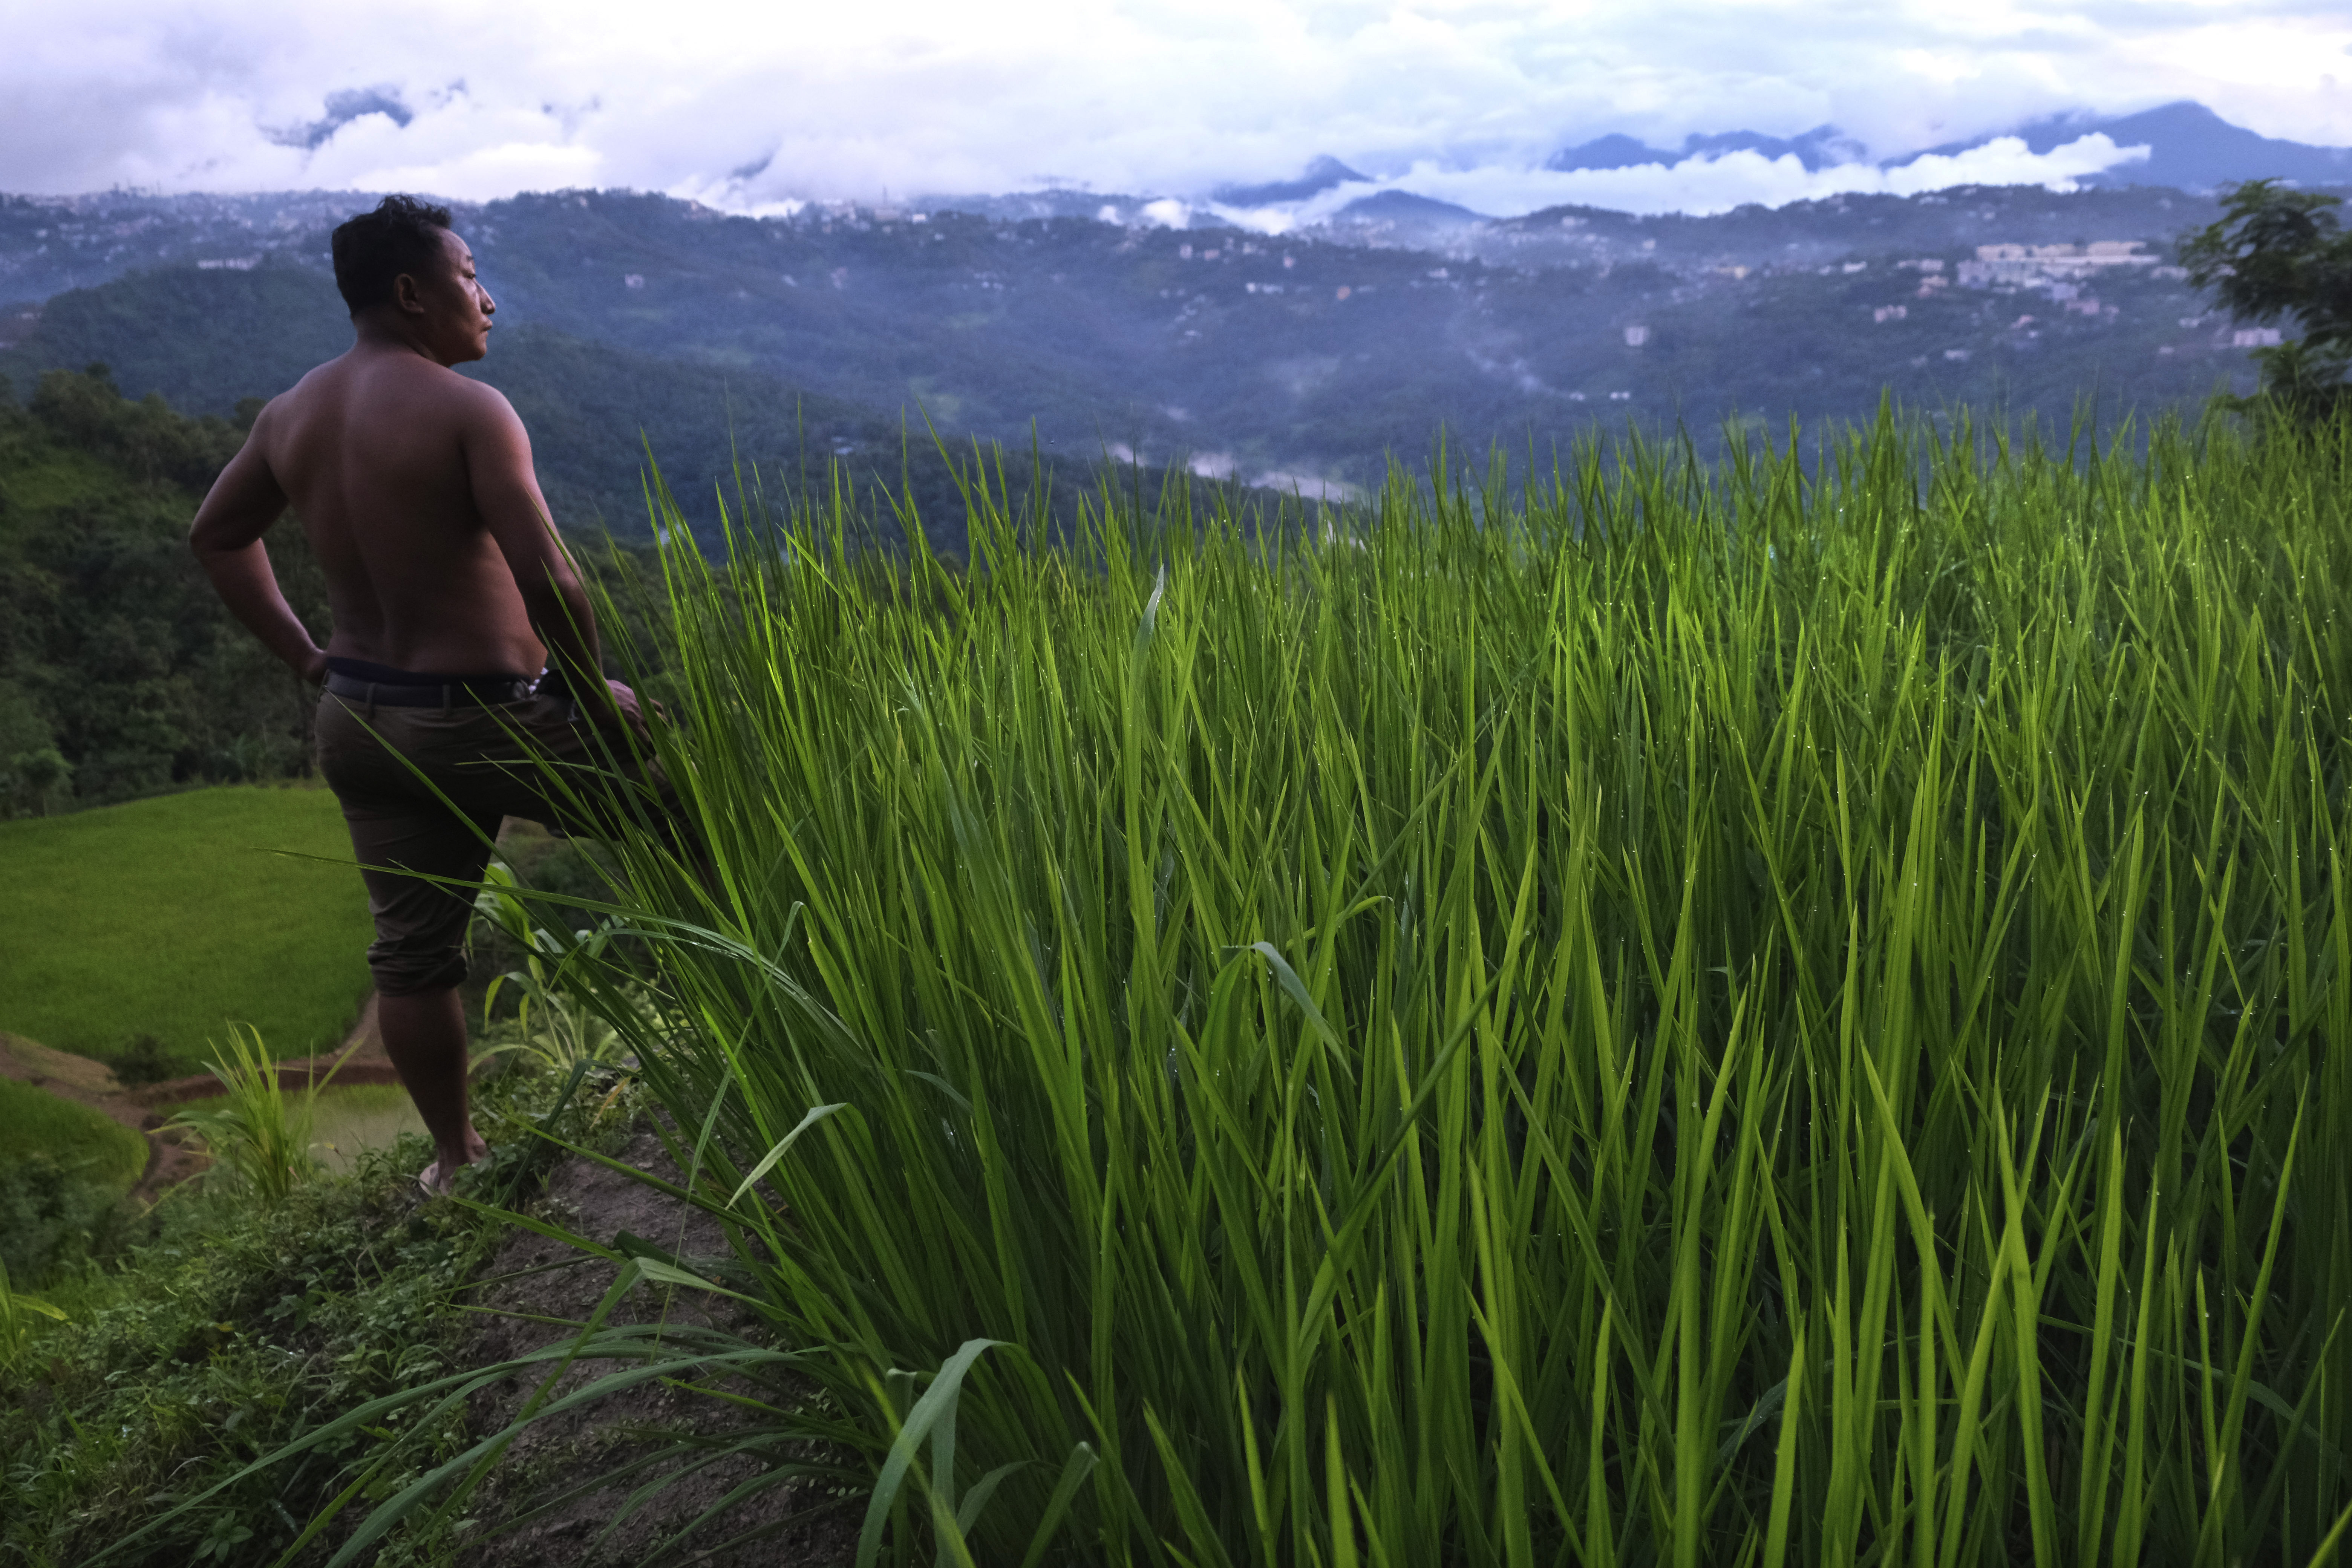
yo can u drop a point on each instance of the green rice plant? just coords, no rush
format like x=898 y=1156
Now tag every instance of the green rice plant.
x=17 y=1310
x=552 y=1025
x=1792 y=1012
x=257 y=1130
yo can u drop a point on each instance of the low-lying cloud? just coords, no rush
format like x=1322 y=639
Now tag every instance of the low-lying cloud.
x=748 y=107
x=1708 y=183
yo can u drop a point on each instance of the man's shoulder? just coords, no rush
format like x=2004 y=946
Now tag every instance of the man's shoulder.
x=464 y=395
x=403 y=392
x=416 y=386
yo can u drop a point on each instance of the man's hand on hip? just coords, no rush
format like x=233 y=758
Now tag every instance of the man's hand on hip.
x=621 y=703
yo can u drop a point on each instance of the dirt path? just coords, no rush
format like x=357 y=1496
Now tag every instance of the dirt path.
x=171 y=1157
x=526 y=1294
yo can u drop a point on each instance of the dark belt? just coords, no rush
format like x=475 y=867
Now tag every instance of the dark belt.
x=450 y=694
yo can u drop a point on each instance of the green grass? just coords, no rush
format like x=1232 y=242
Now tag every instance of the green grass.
x=35 y=1121
x=1787 y=1013
x=171 y=917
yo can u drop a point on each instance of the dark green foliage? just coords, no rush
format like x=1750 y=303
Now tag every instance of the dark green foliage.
x=146 y=442
x=2280 y=255
x=143 y=1061
x=52 y=1217
x=120 y=673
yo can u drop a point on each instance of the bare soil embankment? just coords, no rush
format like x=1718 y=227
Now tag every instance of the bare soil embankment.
x=531 y=1286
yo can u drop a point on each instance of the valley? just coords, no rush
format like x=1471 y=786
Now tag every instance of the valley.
x=1307 y=360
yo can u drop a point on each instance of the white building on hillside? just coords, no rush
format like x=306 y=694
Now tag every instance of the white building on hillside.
x=2024 y=266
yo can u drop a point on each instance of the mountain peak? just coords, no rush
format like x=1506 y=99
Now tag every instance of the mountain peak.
x=1323 y=174
x=1819 y=148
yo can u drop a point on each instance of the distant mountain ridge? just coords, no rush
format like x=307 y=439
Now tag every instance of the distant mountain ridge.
x=2189 y=147
x=1324 y=173
x=1822 y=147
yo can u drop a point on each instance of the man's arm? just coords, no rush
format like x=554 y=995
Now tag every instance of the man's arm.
x=506 y=493
x=226 y=537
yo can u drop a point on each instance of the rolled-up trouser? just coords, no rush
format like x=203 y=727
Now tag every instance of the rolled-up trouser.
x=490 y=763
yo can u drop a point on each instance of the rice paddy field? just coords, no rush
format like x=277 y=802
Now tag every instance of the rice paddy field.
x=172 y=916
x=1792 y=1012
x=349 y=1122
x=77 y=1138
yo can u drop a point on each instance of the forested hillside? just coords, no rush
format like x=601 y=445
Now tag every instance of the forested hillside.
x=120 y=672
x=207 y=339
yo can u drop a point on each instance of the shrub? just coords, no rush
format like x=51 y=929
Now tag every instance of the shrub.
x=52 y=1217
x=142 y=1061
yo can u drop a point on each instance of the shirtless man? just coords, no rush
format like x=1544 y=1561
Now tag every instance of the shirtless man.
x=451 y=594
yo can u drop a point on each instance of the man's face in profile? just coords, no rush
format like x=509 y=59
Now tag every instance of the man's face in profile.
x=448 y=303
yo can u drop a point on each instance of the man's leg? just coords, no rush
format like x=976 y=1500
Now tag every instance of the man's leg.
x=425 y=1036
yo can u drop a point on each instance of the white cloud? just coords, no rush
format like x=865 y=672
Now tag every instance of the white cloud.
x=1710 y=185
x=1149 y=97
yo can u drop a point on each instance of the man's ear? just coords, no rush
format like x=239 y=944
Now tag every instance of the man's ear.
x=407 y=295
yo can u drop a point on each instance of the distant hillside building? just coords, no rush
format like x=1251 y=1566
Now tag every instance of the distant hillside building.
x=2024 y=266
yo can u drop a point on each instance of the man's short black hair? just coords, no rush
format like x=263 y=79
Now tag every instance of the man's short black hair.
x=402 y=235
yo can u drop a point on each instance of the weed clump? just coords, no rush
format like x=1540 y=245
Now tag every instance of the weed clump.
x=257 y=1130
x=53 y=1217
x=142 y=1061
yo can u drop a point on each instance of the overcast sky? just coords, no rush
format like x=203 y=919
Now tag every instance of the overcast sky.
x=750 y=105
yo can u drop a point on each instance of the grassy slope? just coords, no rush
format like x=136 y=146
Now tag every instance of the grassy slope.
x=228 y=1327
x=33 y=1120
x=170 y=916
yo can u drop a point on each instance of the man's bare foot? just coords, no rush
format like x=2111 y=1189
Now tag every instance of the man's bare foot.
x=438 y=1178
